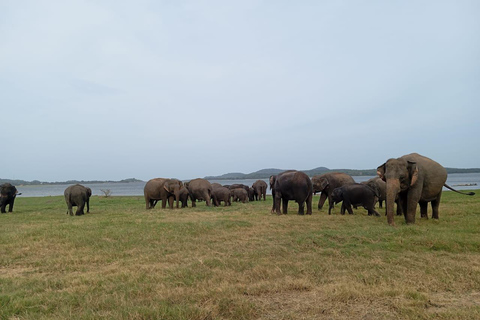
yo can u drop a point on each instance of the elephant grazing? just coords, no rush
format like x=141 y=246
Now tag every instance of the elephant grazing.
x=415 y=179
x=260 y=190
x=326 y=183
x=77 y=195
x=8 y=193
x=291 y=185
x=162 y=189
x=219 y=194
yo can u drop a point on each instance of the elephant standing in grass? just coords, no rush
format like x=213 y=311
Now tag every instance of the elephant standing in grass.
x=291 y=185
x=8 y=193
x=260 y=190
x=415 y=179
x=239 y=194
x=183 y=194
x=326 y=183
x=162 y=189
x=219 y=194
x=356 y=194
x=199 y=189
x=77 y=196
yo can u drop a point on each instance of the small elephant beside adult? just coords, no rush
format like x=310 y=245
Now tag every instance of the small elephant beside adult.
x=291 y=185
x=415 y=179
x=239 y=194
x=260 y=190
x=162 y=189
x=219 y=194
x=8 y=193
x=77 y=196
x=326 y=183
x=356 y=194
x=199 y=189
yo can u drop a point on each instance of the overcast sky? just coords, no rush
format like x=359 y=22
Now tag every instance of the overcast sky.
x=116 y=89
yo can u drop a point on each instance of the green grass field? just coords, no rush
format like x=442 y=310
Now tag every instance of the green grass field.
x=123 y=262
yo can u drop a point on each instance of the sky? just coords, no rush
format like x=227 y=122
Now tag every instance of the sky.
x=109 y=90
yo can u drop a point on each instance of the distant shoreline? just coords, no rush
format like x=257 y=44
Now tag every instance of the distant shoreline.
x=260 y=174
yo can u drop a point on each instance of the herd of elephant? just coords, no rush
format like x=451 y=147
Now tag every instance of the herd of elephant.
x=408 y=181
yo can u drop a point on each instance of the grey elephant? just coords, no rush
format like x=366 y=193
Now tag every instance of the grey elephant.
x=8 y=193
x=199 y=189
x=326 y=183
x=260 y=190
x=219 y=194
x=184 y=196
x=415 y=179
x=162 y=189
x=239 y=194
x=77 y=196
x=381 y=186
x=291 y=185
x=356 y=194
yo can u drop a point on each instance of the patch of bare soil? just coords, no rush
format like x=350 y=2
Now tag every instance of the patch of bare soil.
x=448 y=301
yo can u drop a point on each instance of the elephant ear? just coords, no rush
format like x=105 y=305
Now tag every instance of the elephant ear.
x=413 y=170
x=166 y=186
x=324 y=183
x=381 y=172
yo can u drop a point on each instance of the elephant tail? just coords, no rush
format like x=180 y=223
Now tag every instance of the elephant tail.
x=465 y=193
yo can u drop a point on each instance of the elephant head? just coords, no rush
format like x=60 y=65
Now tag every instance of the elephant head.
x=320 y=184
x=400 y=175
x=272 y=181
x=173 y=186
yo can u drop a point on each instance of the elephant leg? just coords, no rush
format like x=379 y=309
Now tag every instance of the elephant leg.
x=342 y=209
x=284 y=206
x=348 y=206
x=170 y=202
x=380 y=203
x=323 y=197
x=207 y=199
x=423 y=209
x=435 y=206
x=194 y=202
x=371 y=211
x=276 y=203
x=3 y=208
x=80 y=209
x=411 y=208
x=88 y=205
x=301 y=208
x=164 y=202
x=330 y=207
x=69 y=209
x=309 y=204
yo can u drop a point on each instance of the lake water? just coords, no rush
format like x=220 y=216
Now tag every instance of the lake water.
x=459 y=181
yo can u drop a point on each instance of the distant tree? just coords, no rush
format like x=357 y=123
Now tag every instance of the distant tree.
x=106 y=192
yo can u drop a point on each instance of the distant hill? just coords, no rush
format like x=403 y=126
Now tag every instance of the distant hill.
x=36 y=182
x=266 y=173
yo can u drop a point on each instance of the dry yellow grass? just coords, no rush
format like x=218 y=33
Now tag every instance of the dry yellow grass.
x=123 y=262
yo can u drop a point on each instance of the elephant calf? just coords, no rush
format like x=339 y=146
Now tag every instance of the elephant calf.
x=356 y=194
x=239 y=194
x=220 y=194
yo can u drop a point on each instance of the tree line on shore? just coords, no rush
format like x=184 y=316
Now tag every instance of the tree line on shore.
x=260 y=174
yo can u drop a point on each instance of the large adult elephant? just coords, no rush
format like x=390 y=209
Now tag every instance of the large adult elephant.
x=8 y=193
x=162 y=189
x=199 y=189
x=260 y=190
x=326 y=183
x=291 y=185
x=415 y=179
x=77 y=196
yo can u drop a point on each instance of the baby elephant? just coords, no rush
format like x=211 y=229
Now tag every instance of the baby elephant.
x=357 y=195
x=239 y=194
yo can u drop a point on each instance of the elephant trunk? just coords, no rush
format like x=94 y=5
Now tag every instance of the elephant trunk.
x=392 y=190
